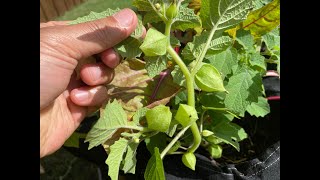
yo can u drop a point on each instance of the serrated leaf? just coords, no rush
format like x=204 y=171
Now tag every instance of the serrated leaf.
x=148 y=6
x=174 y=41
x=224 y=61
x=129 y=48
x=130 y=160
x=257 y=62
x=151 y=17
x=159 y=118
x=154 y=44
x=181 y=98
x=244 y=87
x=215 y=99
x=155 y=64
x=178 y=76
x=272 y=41
x=186 y=19
x=216 y=117
x=229 y=133
x=112 y=117
x=263 y=20
x=193 y=49
x=86 y=7
x=208 y=79
x=224 y=14
x=154 y=169
x=245 y=39
x=94 y=16
x=134 y=89
x=260 y=108
x=139 y=115
x=158 y=140
x=144 y=5
x=115 y=157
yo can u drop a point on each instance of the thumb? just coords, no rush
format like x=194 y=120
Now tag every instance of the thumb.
x=85 y=39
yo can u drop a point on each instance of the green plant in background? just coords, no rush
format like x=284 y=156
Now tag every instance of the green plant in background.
x=165 y=90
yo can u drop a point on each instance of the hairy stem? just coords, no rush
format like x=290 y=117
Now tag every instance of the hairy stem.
x=191 y=96
x=204 y=51
x=174 y=140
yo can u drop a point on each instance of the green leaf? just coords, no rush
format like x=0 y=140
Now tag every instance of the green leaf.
x=112 y=117
x=245 y=39
x=189 y=160
x=155 y=64
x=150 y=11
x=186 y=19
x=263 y=20
x=260 y=108
x=172 y=128
x=154 y=44
x=174 y=41
x=229 y=133
x=129 y=48
x=208 y=79
x=94 y=16
x=139 y=115
x=130 y=161
x=186 y=115
x=154 y=169
x=272 y=41
x=244 y=87
x=217 y=117
x=178 y=76
x=159 y=118
x=158 y=140
x=115 y=156
x=224 y=14
x=215 y=151
x=86 y=7
x=193 y=49
x=134 y=89
x=257 y=62
x=181 y=98
x=73 y=140
x=215 y=99
x=224 y=61
x=175 y=147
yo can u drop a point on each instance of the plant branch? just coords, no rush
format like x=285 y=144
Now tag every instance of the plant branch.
x=204 y=51
x=191 y=96
x=174 y=140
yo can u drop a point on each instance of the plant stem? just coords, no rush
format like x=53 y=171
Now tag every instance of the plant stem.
x=201 y=120
x=174 y=140
x=204 y=51
x=191 y=97
x=186 y=73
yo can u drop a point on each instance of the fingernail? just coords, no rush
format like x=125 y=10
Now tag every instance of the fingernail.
x=124 y=17
x=82 y=95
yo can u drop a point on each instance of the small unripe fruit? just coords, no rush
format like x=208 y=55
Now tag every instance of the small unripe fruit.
x=172 y=11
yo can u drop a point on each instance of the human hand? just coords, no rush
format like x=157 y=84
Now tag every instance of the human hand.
x=64 y=100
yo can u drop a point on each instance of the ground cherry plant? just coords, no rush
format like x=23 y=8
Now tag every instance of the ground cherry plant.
x=199 y=66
